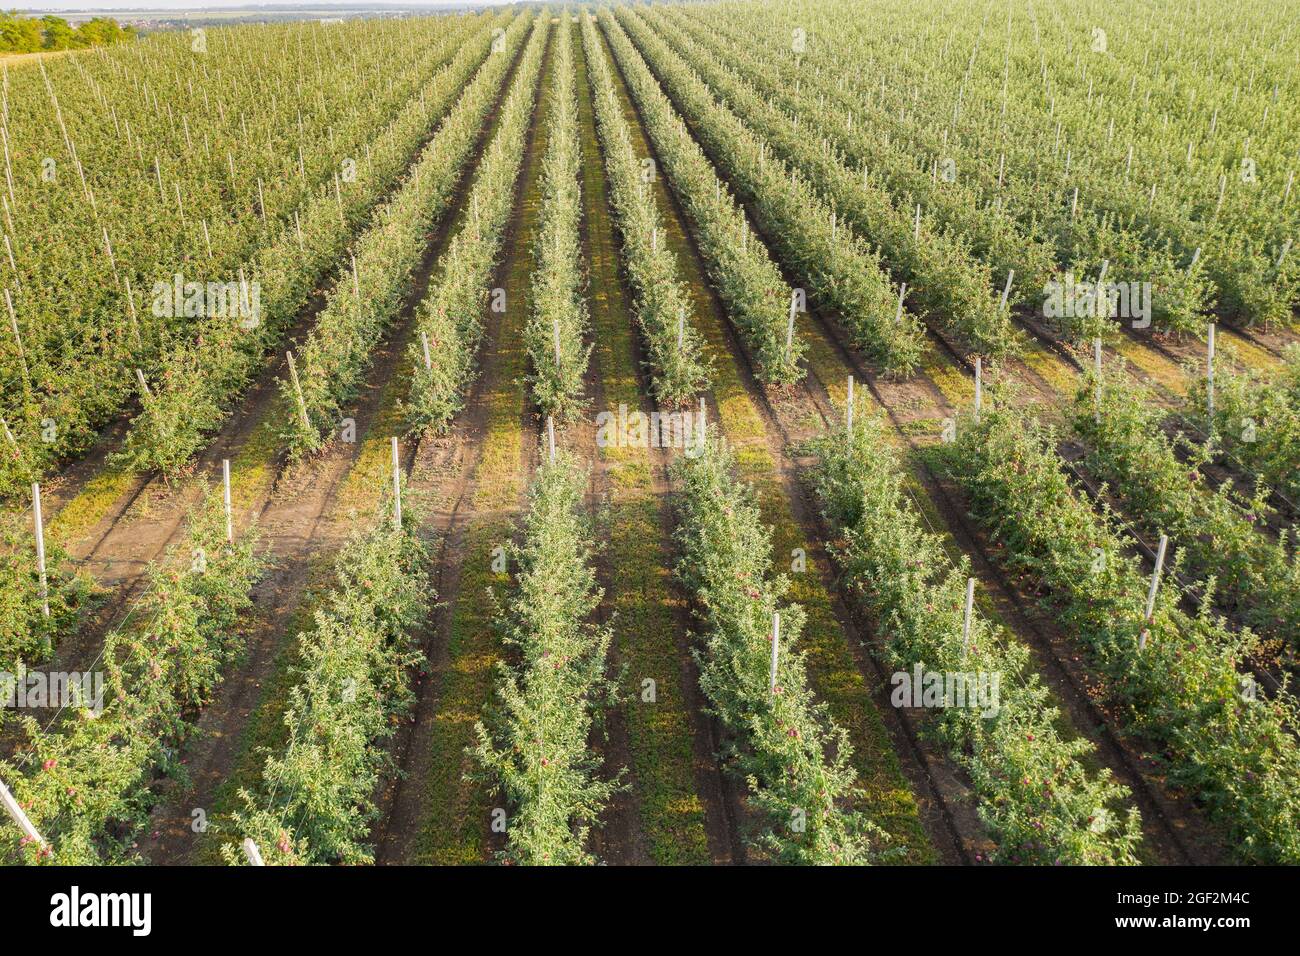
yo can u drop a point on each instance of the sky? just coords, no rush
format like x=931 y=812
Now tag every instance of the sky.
x=191 y=5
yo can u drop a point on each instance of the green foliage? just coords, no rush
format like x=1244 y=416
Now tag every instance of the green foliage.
x=795 y=759
x=215 y=202
x=1257 y=422
x=747 y=280
x=27 y=636
x=1035 y=793
x=757 y=49
x=315 y=801
x=837 y=268
x=87 y=781
x=534 y=742
x=675 y=350
x=559 y=323
x=1186 y=692
x=1218 y=533
x=333 y=361
x=943 y=278
x=450 y=317
x=20 y=34
x=204 y=376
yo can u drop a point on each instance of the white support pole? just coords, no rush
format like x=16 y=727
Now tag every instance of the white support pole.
x=1006 y=289
x=297 y=388
x=898 y=310
x=1096 y=374
x=13 y=324
x=557 y=343
x=550 y=437
x=1196 y=257
x=40 y=548
x=253 y=854
x=230 y=515
x=424 y=342
x=1151 y=594
x=789 y=329
x=966 y=620
x=9 y=435
x=1209 y=376
x=848 y=420
x=681 y=328
x=19 y=817
x=776 y=643
x=979 y=386
x=916 y=225
x=397 y=487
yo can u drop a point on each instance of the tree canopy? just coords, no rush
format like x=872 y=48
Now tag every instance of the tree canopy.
x=20 y=34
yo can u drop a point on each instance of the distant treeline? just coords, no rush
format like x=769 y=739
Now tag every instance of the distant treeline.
x=19 y=34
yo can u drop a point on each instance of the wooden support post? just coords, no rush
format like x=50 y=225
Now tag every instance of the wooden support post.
x=297 y=388
x=789 y=329
x=776 y=644
x=252 y=853
x=550 y=436
x=848 y=412
x=1209 y=376
x=19 y=817
x=13 y=324
x=1096 y=374
x=424 y=344
x=966 y=620
x=40 y=548
x=397 y=487
x=1151 y=594
x=130 y=304
x=225 y=493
